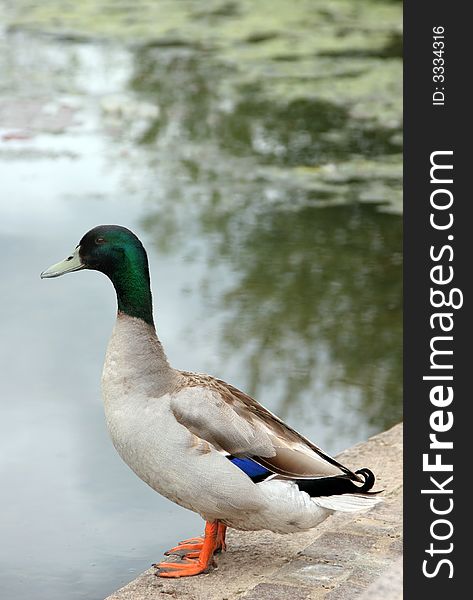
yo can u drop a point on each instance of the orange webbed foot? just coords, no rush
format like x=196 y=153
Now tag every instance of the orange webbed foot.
x=186 y=547
x=186 y=568
x=197 y=553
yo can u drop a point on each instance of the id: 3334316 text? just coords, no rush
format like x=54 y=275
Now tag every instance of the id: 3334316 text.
x=438 y=65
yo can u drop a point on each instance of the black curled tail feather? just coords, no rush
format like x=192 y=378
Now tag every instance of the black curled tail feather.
x=369 y=479
x=332 y=486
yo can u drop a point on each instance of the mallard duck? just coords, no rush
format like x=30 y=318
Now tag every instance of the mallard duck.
x=195 y=439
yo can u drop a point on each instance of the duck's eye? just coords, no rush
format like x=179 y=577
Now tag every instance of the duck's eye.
x=100 y=240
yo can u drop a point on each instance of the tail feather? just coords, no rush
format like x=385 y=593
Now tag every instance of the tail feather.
x=330 y=486
x=348 y=502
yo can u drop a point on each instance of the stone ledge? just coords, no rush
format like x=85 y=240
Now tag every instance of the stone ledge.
x=347 y=557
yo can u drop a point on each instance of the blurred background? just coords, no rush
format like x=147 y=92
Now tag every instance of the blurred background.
x=255 y=148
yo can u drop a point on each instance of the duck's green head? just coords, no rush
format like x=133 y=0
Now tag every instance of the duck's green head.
x=119 y=254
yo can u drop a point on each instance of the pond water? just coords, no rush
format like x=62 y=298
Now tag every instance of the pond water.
x=274 y=237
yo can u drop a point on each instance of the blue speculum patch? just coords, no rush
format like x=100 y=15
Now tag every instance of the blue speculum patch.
x=250 y=467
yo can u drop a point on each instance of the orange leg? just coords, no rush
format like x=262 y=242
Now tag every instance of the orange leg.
x=221 y=545
x=194 y=563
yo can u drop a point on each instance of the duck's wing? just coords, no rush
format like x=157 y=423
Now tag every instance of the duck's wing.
x=235 y=423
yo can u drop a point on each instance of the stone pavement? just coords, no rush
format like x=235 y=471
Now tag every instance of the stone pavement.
x=347 y=557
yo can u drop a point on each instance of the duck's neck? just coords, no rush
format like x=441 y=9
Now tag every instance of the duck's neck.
x=132 y=285
x=139 y=345
x=135 y=345
x=135 y=362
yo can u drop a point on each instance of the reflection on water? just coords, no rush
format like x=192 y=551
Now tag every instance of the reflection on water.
x=241 y=120
x=262 y=170
x=221 y=132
